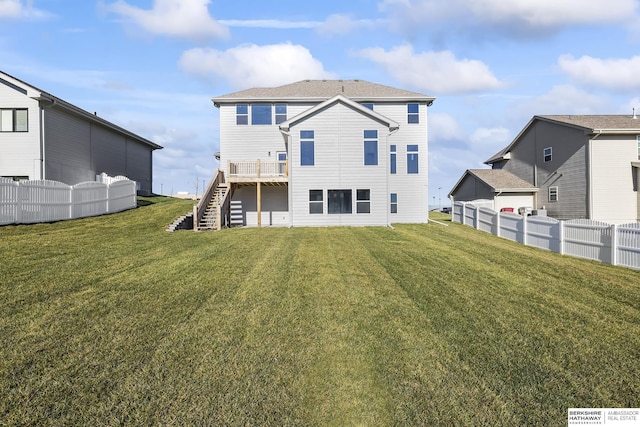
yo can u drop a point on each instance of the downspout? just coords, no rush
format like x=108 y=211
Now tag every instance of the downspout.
x=589 y=174
x=287 y=136
x=388 y=173
x=53 y=103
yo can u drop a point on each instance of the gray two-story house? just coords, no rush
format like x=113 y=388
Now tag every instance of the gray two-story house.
x=45 y=137
x=583 y=166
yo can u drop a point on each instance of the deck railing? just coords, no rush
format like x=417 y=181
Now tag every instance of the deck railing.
x=257 y=168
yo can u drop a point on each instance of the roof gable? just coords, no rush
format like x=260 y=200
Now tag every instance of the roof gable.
x=392 y=125
x=52 y=101
x=498 y=180
x=589 y=124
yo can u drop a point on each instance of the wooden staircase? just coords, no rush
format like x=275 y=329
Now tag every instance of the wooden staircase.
x=212 y=211
x=208 y=221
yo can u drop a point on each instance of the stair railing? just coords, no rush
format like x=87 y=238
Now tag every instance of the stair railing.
x=223 y=210
x=201 y=207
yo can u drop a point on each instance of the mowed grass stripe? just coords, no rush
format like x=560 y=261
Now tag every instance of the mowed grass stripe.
x=421 y=325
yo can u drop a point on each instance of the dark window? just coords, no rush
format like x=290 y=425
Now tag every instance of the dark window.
x=14 y=120
x=242 y=114
x=412 y=159
x=548 y=154
x=363 y=201
x=553 y=194
x=260 y=114
x=307 y=149
x=315 y=202
x=368 y=105
x=393 y=159
x=281 y=113
x=339 y=201
x=413 y=113
x=394 y=202
x=371 y=147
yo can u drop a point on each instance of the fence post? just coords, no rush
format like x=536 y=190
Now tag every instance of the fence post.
x=561 y=237
x=614 y=244
x=464 y=213
x=498 y=224
x=476 y=219
x=18 y=215
x=524 y=230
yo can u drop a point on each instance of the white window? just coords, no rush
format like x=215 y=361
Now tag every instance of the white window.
x=316 y=203
x=363 y=201
x=14 y=120
x=553 y=194
x=547 y=154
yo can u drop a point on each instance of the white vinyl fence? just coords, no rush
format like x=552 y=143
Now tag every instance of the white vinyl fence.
x=607 y=243
x=44 y=201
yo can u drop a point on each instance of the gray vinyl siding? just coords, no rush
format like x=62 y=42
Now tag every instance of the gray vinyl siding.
x=339 y=165
x=67 y=148
x=139 y=165
x=20 y=153
x=78 y=150
x=613 y=198
x=567 y=169
x=251 y=142
x=274 y=207
x=472 y=188
x=109 y=152
x=412 y=189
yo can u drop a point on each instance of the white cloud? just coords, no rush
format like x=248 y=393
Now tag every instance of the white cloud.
x=180 y=18
x=16 y=9
x=251 y=65
x=433 y=72
x=340 y=24
x=490 y=140
x=614 y=73
x=563 y=99
x=270 y=24
x=443 y=127
x=516 y=17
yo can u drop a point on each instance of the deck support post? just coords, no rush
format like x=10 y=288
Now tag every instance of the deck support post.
x=259 y=203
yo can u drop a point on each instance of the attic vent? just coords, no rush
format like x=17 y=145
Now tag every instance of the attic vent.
x=342 y=88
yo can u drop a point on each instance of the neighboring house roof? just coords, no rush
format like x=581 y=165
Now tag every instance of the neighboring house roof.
x=51 y=100
x=319 y=90
x=392 y=125
x=590 y=124
x=499 y=180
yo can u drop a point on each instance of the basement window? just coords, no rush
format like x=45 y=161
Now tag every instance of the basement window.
x=339 y=201
x=363 y=201
x=316 y=203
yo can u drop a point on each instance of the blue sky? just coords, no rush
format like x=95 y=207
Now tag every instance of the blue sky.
x=152 y=66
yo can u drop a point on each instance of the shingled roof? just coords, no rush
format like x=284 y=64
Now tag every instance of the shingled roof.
x=318 y=90
x=598 y=122
x=499 y=180
x=591 y=124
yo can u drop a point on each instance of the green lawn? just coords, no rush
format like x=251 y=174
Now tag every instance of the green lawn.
x=112 y=320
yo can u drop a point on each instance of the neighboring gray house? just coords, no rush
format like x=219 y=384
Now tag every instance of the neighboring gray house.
x=502 y=188
x=325 y=152
x=585 y=166
x=44 y=137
